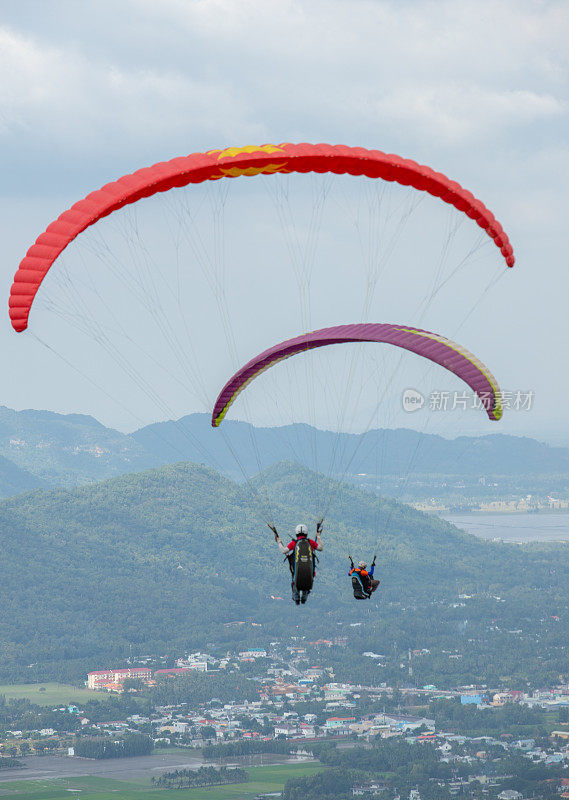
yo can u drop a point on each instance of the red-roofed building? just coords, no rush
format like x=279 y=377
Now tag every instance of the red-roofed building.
x=100 y=678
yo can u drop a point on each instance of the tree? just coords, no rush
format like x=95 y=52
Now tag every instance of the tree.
x=208 y=732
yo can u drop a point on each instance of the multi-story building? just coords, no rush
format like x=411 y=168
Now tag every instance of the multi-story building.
x=98 y=679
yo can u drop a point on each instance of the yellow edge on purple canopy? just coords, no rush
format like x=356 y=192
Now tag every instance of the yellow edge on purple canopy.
x=225 y=409
x=497 y=410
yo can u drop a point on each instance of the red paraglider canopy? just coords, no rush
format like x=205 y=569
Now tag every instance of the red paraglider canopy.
x=232 y=163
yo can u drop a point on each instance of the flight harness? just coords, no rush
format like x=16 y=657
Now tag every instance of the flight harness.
x=302 y=563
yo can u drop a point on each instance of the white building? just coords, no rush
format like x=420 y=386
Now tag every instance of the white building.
x=253 y=652
x=284 y=729
x=405 y=723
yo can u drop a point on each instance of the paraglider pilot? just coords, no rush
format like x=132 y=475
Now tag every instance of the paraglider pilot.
x=300 y=556
x=363 y=582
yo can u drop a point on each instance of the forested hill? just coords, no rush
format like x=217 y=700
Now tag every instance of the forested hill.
x=67 y=449
x=14 y=480
x=73 y=449
x=162 y=561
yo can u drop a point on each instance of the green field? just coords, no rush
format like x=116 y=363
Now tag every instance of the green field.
x=262 y=780
x=53 y=694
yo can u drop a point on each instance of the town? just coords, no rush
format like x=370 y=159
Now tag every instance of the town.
x=297 y=707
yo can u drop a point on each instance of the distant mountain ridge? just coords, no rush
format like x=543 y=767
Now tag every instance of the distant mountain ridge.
x=428 y=453
x=45 y=449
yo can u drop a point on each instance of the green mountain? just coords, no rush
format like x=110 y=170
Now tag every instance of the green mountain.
x=67 y=449
x=173 y=558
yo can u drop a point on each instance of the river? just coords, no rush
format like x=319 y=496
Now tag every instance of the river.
x=514 y=527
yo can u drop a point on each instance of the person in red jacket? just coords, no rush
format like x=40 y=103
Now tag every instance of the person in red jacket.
x=301 y=532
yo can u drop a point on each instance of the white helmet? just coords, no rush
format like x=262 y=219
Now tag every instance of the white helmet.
x=362 y=565
x=301 y=530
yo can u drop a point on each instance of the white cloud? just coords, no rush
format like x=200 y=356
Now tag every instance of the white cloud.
x=237 y=70
x=60 y=95
x=464 y=113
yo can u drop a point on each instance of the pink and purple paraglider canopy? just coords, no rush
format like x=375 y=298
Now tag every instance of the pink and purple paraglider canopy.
x=445 y=352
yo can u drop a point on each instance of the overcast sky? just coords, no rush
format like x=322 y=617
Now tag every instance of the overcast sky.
x=478 y=90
